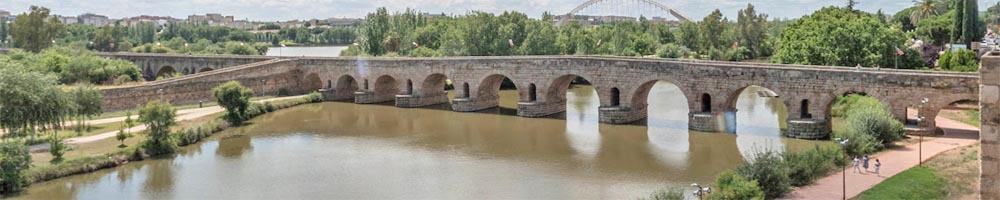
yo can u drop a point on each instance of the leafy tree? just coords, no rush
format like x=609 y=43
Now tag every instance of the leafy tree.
x=123 y=132
x=751 y=31
x=835 y=36
x=158 y=118
x=31 y=101
x=713 y=31
x=235 y=98
x=768 y=169
x=903 y=19
x=373 y=31
x=35 y=30
x=672 y=51
x=924 y=9
x=540 y=40
x=689 y=34
x=15 y=159
x=89 y=103
x=937 y=29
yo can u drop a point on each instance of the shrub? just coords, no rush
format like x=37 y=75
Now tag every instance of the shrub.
x=15 y=160
x=768 y=169
x=314 y=97
x=671 y=194
x=672 y=50
x=961 y=60
x=875 y=120
x=730 y=185
x=57 y=148
x=235 y=99
x=806 y=166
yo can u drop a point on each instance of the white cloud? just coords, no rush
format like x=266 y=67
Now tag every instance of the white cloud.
x=270 y=10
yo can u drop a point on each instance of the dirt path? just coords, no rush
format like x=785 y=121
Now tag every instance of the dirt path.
x=894 y=161
x=182 y=115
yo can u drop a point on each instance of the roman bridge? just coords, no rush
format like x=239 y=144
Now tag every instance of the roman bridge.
x=622 y=84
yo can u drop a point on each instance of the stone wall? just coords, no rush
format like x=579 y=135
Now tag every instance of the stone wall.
x=989 y=101
x=265 y=78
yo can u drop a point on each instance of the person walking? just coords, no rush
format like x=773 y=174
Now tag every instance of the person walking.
x=877 y=166
x=856 y=169
x=864 y=162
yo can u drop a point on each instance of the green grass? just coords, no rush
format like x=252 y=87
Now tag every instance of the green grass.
x=178 y=107
x=914 y=183
x=973 y=117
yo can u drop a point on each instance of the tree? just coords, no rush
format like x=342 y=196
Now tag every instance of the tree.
x=751 y=31
x=835 y=36
x=924 y=9
x=15 y=159
x=89 y=103
x=713 y=28
x=688 y=32
x=936 y=30
x=57 y=148
x=123 y=132
x=236 y=99
x=32 y=101
x=851 y=4
x=966 y=27
x=730 y=185
x=35 y=31
x=540 y=40
x=158 y=118
x=373 y=31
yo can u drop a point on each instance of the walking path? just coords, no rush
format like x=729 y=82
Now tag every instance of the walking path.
x=894 y=161
x=182 y=115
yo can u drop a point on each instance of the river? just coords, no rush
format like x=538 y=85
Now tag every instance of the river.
x=338 y=150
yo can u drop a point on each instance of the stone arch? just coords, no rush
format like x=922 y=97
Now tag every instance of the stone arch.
x=312 y=83
x=206 y=69
x=409 y=87
x=433 y=85
x=734 y=96
x=344 y=89
x=165 y=71
x=804 y=112
x=489 y=87
x=465 y=90
x=733 y=114
x=933 y=108
x=640 y=95
x=556 y=92
x=386 y=85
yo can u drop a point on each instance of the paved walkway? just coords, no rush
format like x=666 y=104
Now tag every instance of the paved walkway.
x=182 y=115
x=894 y=161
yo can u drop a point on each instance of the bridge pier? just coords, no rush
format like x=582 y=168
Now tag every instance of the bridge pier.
x=808 y=128
x=330 y=94
x=477 y=104
x=540 y=109
x=370 y=97
x=621 y=114
x=411 y=101
x=705 y=122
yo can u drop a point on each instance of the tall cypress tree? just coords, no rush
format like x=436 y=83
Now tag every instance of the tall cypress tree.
x=956 y=30
x=967 y=27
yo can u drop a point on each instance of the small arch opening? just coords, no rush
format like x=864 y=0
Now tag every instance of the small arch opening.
x=615 y=97
x=409 y=87
x=706 y=103
x=366 y=84
x=465 y=90
x=804 y=110
x=532 y=93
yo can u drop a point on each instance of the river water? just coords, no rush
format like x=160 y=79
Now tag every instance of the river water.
x=339 y=150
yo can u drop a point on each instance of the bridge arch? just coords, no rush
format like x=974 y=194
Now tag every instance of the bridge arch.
x=489 y=86
x=205 y=69
x=556 y=91
x=344 y=88
x=777 y=106
x=386 y=85
x=166 y=72
x=312 y=83
x=433 y=85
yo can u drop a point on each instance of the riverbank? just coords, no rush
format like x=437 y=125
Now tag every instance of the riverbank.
x=104 y=152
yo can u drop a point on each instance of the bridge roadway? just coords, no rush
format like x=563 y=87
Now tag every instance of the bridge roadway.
x=710 y=87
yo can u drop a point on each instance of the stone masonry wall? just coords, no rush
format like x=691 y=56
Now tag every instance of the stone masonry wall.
x=989 y=100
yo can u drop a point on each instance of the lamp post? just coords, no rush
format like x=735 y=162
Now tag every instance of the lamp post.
x=843 y=143
x=701 y=191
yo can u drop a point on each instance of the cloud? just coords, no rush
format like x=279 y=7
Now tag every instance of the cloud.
x=272 y=10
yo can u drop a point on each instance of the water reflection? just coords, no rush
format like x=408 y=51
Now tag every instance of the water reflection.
x=759 y=122
x=348 y=151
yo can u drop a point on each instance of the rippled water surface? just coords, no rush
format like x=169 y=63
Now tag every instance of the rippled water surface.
x=340 y=150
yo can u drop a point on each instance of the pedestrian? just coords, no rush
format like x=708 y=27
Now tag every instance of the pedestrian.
x=857 y=68
x=864 y=162
x=877 y=166
x=856 y=169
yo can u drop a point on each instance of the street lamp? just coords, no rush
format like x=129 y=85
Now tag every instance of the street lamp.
x=843 y=143
x=920 y=144
x=701 y=191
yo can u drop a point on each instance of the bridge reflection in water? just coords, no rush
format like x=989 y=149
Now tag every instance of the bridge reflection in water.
x=338 y=150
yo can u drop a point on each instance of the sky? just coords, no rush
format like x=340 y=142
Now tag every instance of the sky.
x=281 y=10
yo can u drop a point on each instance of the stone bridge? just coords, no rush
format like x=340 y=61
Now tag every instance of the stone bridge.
x=622 y=84
x=168 y=64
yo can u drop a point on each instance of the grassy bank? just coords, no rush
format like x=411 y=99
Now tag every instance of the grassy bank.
x=105 y=153
x=953 y=174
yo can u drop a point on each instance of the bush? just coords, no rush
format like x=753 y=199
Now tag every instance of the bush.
x=15 y=160
x=730 y=185
x=57 y=148
x=869 y=124
x=806 y=166
x=961 y=60
x=235 y=99
x=671 y=194
x=768 y=169
x=672 y=50
x=423 y=52
x=314 y=97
